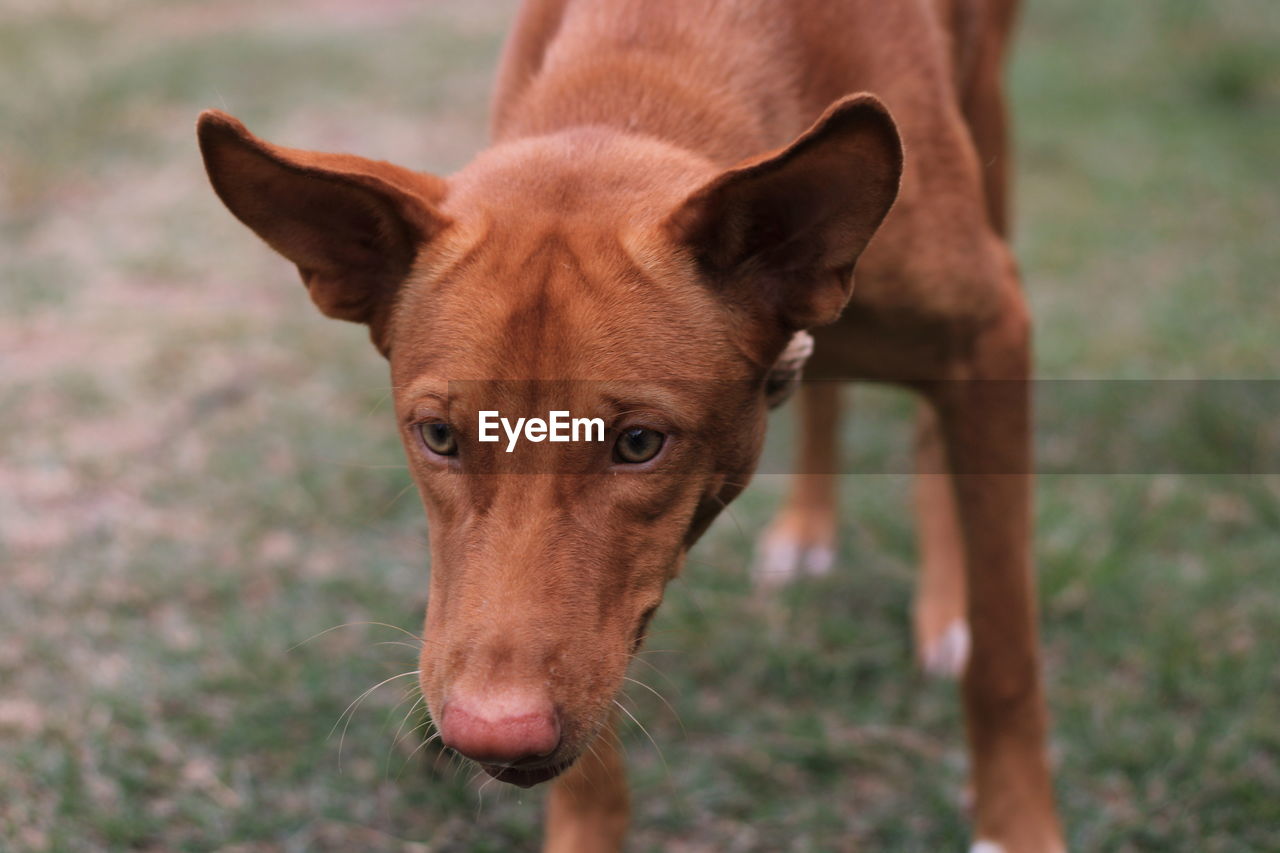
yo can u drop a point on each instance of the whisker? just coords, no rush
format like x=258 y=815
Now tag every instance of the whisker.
x=727 y=510
x=460 y=765
x=690 y=594
x=415 y=752
x=660 y=673
x=661 y=699
x=480 y=791
x=350 y=625
x=386 y=770
x=350 y=711
x=663 y=758
x=416 y=648
x=398 y=496
x=369 y=467
x=426 y=723
x=719 y=568
x=379 y=403
x=591 y=748
x=403 y=698
x=670 y=631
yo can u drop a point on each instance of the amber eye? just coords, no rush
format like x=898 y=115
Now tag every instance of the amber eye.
x=439 y=438
x=637 y=445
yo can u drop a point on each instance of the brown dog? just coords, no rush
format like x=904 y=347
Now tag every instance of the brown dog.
x=676 y=189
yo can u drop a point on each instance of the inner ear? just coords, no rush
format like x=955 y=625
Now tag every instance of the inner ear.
x=784 y=231
x=352 y=226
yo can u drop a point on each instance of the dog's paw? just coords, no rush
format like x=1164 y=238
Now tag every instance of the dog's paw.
x=981 y=846
x=986 y=847
x=782 y=556
x=946 y=656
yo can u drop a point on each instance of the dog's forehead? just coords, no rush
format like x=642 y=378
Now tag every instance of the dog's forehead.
x=557 y=267
x=543 y=300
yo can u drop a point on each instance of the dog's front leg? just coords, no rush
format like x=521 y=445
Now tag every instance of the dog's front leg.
x=941 y=620
x=986 y=425
x=589 y=809
x=801 y=539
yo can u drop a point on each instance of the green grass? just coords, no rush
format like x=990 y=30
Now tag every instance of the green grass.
x=198 y=473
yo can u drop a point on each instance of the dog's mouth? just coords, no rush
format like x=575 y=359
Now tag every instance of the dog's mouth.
x=525 y=777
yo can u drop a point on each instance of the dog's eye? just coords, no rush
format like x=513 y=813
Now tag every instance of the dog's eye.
x=637 y=445
x=439 y=438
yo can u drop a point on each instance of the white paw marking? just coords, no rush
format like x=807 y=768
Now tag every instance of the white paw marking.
x=817 y=560
x=780 y=559
x=986 y=847
x=777 y=561
x=949 y=654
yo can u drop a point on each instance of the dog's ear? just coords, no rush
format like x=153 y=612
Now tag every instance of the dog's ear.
x=782 y=232
x=353 y=226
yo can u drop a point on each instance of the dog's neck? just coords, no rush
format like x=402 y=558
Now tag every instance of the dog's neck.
x=654 y=72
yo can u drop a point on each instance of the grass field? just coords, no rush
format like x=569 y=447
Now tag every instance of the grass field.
x=198 y=472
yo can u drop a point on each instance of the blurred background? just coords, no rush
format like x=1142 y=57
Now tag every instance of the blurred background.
x=199 y=476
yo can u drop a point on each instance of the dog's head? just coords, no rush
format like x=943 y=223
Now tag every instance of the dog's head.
x=593 y=273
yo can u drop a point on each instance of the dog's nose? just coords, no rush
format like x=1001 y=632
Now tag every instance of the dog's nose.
x=508 y=728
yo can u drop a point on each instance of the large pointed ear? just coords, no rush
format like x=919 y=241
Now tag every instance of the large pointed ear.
x=782 y=233
x=353 y=226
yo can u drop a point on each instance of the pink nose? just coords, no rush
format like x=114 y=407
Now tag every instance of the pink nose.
x=507 y=728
